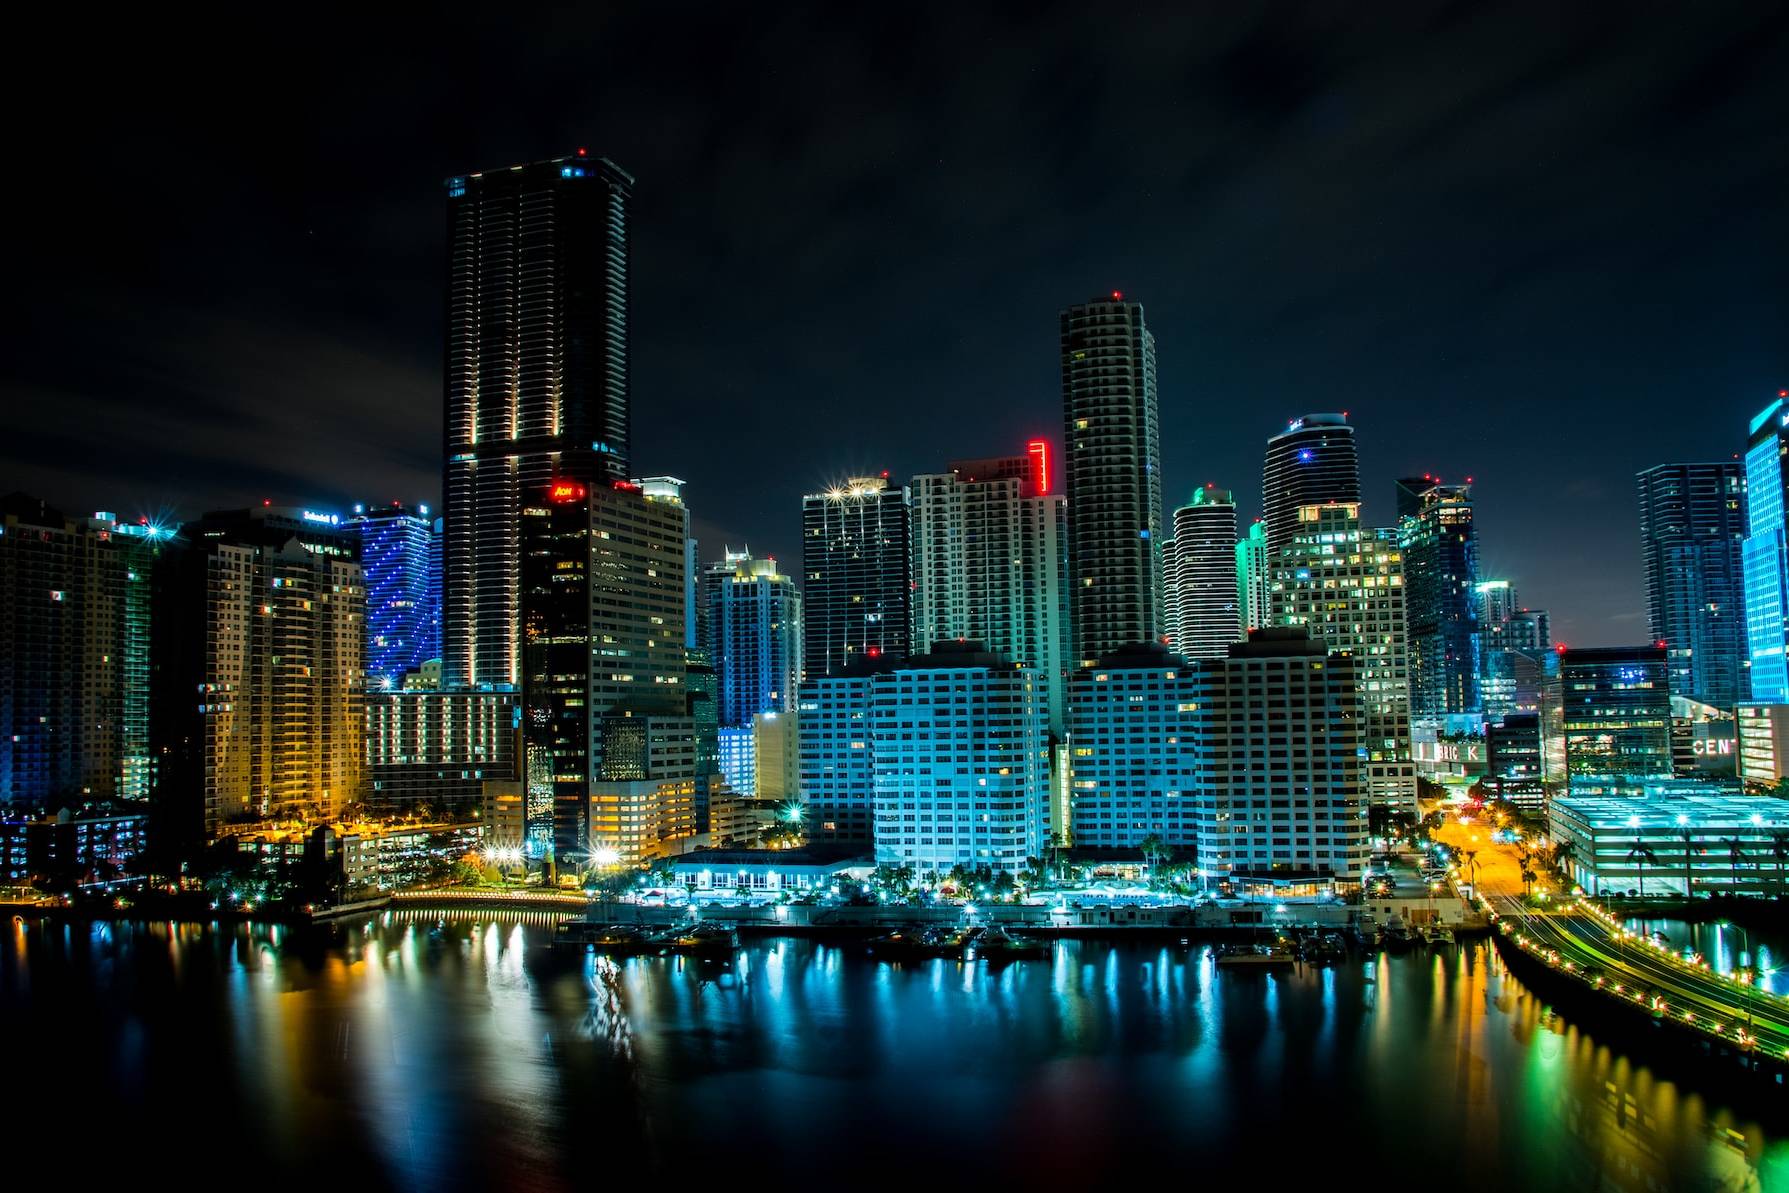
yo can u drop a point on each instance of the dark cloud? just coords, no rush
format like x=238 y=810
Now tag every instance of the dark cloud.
x=1542 y=247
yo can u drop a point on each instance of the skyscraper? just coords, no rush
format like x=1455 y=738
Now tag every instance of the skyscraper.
x=1309 y=463
x=400 y=559
x=1440 y=545
x=1204 y=582
x=855 y=553
x=74 y=644
x=1253 y=577
x=1692 y=531
x=1516 y=656
x=1112 y=441
x=1344 y=583
x=258 y=708
x=755 y=627
x=990 y=563
x=603 y=635
x=1766 y=555
x=537 y=378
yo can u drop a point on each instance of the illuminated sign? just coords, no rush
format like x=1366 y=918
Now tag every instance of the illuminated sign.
x=314 y=516
x=1039 y=451
x=564 y=491
x=1717 y=747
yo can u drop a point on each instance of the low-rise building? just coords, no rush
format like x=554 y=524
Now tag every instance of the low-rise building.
x=1696 y=839
x=71 y=848
x=771 y=871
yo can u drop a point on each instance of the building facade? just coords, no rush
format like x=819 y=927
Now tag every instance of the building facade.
x=1344 y=583
x=536 y=379
x=1254 y=579
x=857 y=594
x=1131 y=751
x=1440 y=546
x=1203 y=583
x=74 y=655
x=1763 y=732
x=1617 y=718
x=960 y=762
x=258 y=699
x=1112 y=443
x=1311 y=462
x=434 y=751
x=837 y=756
x=1765 y=555
x=1692 y=535
x=400 y=560
x=990 y=563
x=1691 y=840
x=755 y=628
x=1280 y=783
x=603 y=607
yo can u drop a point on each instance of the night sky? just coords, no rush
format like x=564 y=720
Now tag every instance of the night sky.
x=1541 y=249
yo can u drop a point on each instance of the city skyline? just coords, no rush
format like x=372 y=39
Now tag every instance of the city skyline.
x=1421 y=300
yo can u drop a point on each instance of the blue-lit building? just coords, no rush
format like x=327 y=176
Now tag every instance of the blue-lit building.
x=753 y=615
x=1617 y=718
x=1692 y=525
x=1766 y=569
x=400 y=556
x=1440 y=542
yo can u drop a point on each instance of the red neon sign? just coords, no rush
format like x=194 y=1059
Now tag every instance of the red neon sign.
x=625 y=486
x=564 y=491
x=1039 y=451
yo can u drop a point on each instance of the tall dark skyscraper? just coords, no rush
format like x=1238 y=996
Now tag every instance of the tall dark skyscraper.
x=1311 y=462
x=1692 y=530
x=857 y=564
x=609 y=748
x=1440 y=544
x=1112 y=439
x=537 y=378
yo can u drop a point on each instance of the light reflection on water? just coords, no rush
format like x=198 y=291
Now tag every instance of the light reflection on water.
x=1726 y=948
x=428 y=1051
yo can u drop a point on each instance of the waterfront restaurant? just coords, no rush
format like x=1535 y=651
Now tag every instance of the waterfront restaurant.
x=1674 y=842
x=770 y=872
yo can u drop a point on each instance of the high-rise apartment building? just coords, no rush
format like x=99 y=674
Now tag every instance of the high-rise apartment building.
x=1131 y=751
x=400 y=559
x=603 y=635
x=1253 y=579
x=1281 y=789
x=1617 y=718
x=837 y=755
x=1765 y=553
x=536 y=379
x=1440 y=545
x=1516 y=656
x=1692 y=534
x=74 y=643
x=990 y=563
x=755 y=630
x=1311 y=462
x=1204 y=578
x=856 y=558
x=959 y=761
x=258 y=709
x=1112 y=443
x=1344 y=583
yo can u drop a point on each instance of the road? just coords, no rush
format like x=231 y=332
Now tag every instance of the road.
x=1587 y=941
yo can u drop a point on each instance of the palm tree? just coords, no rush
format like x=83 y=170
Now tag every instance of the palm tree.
x=1154 y=850
x=1736 y=854
x=1779 y=850
x=1471 y=867
x=1641 y=854
x=1562 y=858
x=1689 y=874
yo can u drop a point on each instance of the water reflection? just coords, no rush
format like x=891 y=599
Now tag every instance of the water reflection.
x=1726 y=947
x=429 y=1050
